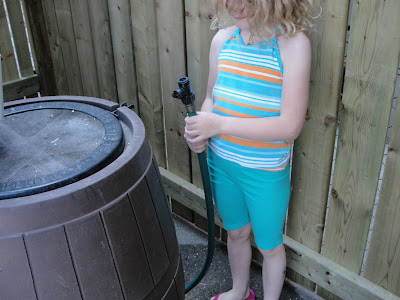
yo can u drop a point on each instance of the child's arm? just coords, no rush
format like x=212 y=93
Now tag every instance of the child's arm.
x=296 y=59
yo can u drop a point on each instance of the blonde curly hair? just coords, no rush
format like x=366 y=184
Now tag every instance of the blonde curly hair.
x=286 y=16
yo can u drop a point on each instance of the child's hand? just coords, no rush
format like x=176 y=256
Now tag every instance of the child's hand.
x=198 y=147
x=202 y=126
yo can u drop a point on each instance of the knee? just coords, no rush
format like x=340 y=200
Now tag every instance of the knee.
x=242 y=233
x=277 y=251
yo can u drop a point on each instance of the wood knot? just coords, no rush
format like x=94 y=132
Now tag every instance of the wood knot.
x=334 y=194
x=329 y=119
x=308 y=115
x=187 y=14
x=319 y=228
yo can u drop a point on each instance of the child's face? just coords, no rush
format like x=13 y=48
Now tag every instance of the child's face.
x=239 y=12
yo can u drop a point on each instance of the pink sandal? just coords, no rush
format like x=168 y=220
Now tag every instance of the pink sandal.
x=252 y=296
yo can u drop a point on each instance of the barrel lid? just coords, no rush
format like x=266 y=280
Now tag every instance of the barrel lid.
x=46 y=145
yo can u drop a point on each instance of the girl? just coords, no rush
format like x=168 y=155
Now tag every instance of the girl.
x=255 y=107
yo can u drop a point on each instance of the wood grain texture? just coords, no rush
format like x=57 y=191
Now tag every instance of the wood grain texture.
x=42 y=51
x=101 y=35
x=53 y=38
x=8 y=62
x=383 y=262
x=367 y=99
x=171 y=37
x=186 y=193
x=333 y=277
x=17 y=89
x=68 y=45
x=28 y=27
x=313 y=150
x=121 y=32
x=85 y=47
x=198 y=17
x=20 y=39
x=145 y=37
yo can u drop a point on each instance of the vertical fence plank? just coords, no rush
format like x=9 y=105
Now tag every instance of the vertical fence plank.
x=101 y=35
x=85 y=48
x=8 y=62
x=36 y=19
x=20 y=39
x=68 y=45
x=121 y=32
x=313 y=150
x=198 y=17
x=54 y=40
x=383 y=261
x=144 y=25
x=28 y=25
x=367 y=99
x=171 y=35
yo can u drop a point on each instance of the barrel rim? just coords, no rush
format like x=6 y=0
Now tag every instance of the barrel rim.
x=138 y=136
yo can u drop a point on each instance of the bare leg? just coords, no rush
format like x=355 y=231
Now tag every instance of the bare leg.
x=239 y=253
x=274 y=270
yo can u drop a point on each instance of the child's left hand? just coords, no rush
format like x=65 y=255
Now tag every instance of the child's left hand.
x=203 y=126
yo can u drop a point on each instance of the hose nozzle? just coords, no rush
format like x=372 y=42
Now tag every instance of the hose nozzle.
x=185 y=94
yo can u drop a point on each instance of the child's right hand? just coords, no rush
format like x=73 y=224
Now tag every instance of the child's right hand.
x=197 y=147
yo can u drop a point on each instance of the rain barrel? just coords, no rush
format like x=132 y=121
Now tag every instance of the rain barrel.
x=83 y=212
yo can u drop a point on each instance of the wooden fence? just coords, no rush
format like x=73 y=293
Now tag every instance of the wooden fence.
x=134 y=51
x=17 y=69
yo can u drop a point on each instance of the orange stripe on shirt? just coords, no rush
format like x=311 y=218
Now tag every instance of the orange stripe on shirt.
x=250 y=75
x=251 y=67
x=233 y=113
x=233 y=38
x=248 y=106
x=253 y=144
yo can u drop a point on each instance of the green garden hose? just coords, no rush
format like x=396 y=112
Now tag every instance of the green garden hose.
x=185 y=94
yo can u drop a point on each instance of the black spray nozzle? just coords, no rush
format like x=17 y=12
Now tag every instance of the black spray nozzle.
x=184 y=93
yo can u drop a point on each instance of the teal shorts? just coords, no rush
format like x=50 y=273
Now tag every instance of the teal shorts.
x=244 y=195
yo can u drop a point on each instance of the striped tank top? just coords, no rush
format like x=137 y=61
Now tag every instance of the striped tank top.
x=249 y=85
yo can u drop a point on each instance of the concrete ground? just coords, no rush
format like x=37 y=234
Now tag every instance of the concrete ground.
x=193 y=247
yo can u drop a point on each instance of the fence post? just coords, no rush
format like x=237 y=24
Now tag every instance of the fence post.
x=40 y=41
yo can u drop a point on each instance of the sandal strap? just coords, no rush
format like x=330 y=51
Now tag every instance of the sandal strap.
x=252 y=296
